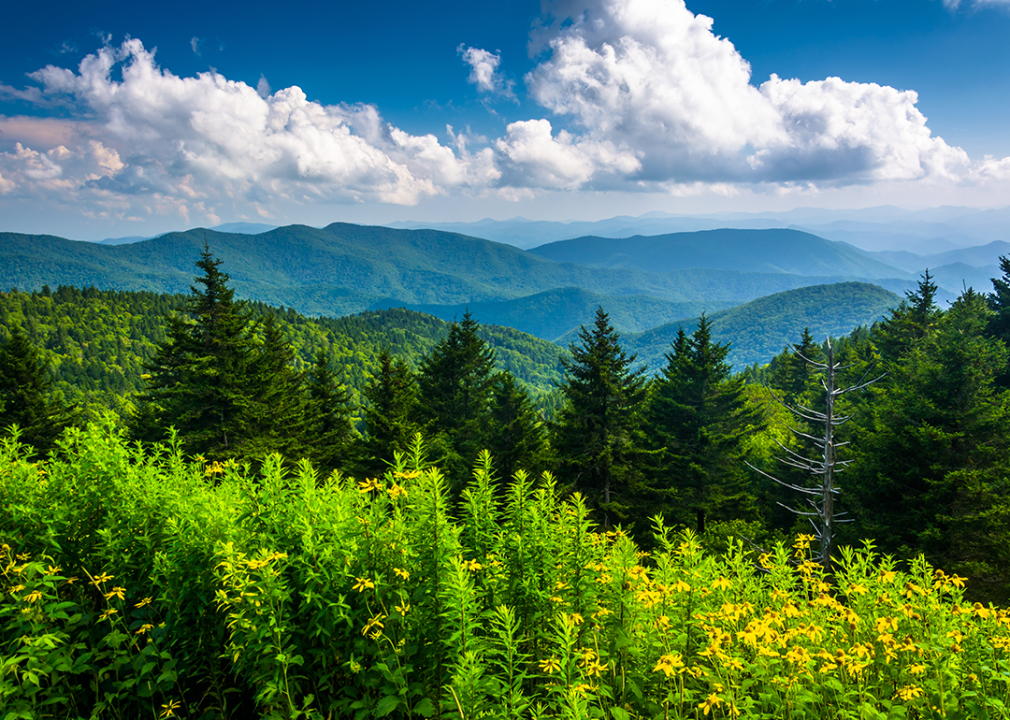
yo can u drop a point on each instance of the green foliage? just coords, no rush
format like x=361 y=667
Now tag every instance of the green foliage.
x=133 y=586
x=594 y=436
x=27 y=400
x=455 y=380
x=759 y=329
x=698 y=417
x=940 y=424
x=98 y=342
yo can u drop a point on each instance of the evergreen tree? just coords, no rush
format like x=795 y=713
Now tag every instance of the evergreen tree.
x=329 y=434
x=791 y=376
x=26 y=395
x=999 y=303
x=200 y=379
x=515 y=434
x=595 y=435
x=939 y=424
x=390 y=414
x=455 y=383
x=910 y=322
x=698 y=418
x=274 y=419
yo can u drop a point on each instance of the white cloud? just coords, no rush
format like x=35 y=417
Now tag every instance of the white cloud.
x=206 y=136
x=639 y=95
x=953 y=5
x=651 y=77
x=194 y=42
x=484 y=71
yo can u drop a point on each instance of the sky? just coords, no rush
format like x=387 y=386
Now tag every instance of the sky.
x=122 y=118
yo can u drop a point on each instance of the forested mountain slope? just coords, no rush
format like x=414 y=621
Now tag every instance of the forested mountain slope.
x=98 y=341
x=345 y=268
x=761 y=328
x=774 y=250
x=555 y=313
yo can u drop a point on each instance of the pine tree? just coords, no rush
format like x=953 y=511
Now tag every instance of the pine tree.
x=698 y=418
x=329 y=435
x=390 y=414
x=594 y=437
x=274 y=419
x=199 y=381
x=938 y=422
x=515 y=434
x=910 y=322
x=792 y=376
x=27 y=398
x=455 y=383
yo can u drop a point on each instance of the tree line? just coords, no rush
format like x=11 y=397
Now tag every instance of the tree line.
x=928 y=442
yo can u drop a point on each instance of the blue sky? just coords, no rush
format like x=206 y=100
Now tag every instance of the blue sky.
x=129 y=119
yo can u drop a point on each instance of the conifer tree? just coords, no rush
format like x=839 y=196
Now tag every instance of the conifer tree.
x=455 y=383
x=939 y=425
x=697 y=418
x=390 y=414
x=910 y=322
x=26 y=395
x=329 y=435
x=274 y=419
x=515 y=434
x=200 y=379
x=791 y=375
x=594 y=436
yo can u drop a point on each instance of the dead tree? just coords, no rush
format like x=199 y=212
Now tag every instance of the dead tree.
x=825 y=465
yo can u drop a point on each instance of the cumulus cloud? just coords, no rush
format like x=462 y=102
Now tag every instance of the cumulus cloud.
x=637 y=94
x=484 y=71
x=654 y=79
x=207 y=136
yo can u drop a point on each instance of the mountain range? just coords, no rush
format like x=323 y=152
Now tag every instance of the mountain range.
x=646 y=283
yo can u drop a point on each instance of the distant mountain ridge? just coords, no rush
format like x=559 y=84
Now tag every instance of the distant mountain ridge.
x=774 y=250
x=342 y=269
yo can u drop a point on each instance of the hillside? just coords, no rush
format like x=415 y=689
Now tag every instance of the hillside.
x=770 y=251
x=554 y=313
x=98 y=341
x=760 y=329
x=344 y=269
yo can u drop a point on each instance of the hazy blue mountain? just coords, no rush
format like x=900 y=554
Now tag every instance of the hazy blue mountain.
x=123 y=240
x=979 y=256
x=553 y=313
x=777 y=250
x=878 y=228
x=244 y=228
x=758 y=330
x=346 y=268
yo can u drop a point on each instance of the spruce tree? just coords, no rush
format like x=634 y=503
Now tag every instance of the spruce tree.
x=940 y=425
x=594 y=436
x=27 y=397
x=455 y=383
x=328 y=433
x=698 y=418
x=200 y=379
x=515 y=435
x=390 y=414
x=274 y=419
x=910 y=322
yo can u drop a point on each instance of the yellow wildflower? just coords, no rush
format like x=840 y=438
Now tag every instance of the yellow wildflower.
x=550 y=665
x=116 y=592
x=909 y=692
x=363 y=584
x=669 y=664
